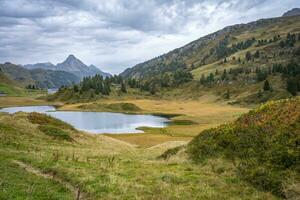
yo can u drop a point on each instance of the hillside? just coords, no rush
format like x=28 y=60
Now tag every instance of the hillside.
x=8 y=87
x=44 y=158
x=38 y=77
x=72 y=65
x=263 y=145
x=209 y=49
x=233 y=62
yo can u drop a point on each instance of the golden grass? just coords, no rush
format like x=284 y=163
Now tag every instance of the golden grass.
x=21 y=101
x=147 y=139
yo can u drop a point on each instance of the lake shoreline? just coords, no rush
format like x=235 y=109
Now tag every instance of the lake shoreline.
x=97 y=122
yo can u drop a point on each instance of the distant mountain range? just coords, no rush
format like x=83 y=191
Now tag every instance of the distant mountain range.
x=43 y=78
x=72 y=65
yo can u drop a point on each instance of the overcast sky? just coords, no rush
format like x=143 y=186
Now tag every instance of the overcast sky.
x=117 y=34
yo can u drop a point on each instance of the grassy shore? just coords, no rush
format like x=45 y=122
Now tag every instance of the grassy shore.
x=191 y=117
x=102 y=167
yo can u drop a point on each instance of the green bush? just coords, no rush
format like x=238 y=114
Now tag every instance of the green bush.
x=123 y=107
x=43 y=119
x=170 y=152
x=182 y=122
x=263 y=145
x=55 y=132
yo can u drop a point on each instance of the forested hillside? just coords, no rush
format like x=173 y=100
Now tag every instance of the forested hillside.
x=243 y=63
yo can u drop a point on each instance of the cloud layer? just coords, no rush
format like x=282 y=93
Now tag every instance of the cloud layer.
x=117 y=34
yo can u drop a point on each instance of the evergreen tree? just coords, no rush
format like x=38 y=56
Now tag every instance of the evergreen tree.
x=261 y=75
x=248 y=56
x=224 y=75
x=267 y=86
x=152 y=89
x=210 y=78
x=123 y=87
x=281 y=44
x=217 y=72
x=292 y=86
x=202 y=79
x=227 y=95
x=75 y=88
x=257 y=54
x=260 y=94
x=165 y=80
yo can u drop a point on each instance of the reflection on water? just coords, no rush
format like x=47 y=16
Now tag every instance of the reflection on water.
x=97 y=122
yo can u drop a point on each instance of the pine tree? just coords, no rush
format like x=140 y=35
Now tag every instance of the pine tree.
x=259 y=95
x=153 y=89
x=123 y=87
x=292 y=86
x=281 y=44
x=227 y=95
x=257 y=54
x=75 y=88
x=202 y=79
x=267 y=86
x=248 y=56
x=224 y=75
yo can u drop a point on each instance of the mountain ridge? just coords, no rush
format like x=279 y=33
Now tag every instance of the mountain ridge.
x=70 y=64
x=39 y=77
x=292 y=12
x=183 y=53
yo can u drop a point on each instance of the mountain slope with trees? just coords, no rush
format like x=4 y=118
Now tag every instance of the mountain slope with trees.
x=233 y=63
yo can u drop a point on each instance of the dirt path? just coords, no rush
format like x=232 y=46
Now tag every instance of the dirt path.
x=78 y=194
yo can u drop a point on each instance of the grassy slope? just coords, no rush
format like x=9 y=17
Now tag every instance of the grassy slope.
x=8 y=86
x=268 y=31
x=105 y=168
x=263 y=145
x=12 y=88
x=248 y=92
x=241 y=91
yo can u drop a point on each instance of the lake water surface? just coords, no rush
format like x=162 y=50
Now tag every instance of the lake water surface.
x=97 y=122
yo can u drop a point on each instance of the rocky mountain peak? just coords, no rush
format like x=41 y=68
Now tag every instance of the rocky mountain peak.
x=293 y=12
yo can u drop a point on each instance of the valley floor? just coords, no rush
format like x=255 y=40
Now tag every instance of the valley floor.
x=119 y=166
x=191 y=117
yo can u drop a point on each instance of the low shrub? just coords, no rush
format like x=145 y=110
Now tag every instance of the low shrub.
x=182 y=122
x=55 y=132
x=170 y=152
x=263 y=145
x=43 y=119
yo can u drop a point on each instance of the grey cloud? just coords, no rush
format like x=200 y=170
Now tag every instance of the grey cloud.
x=118 y=33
